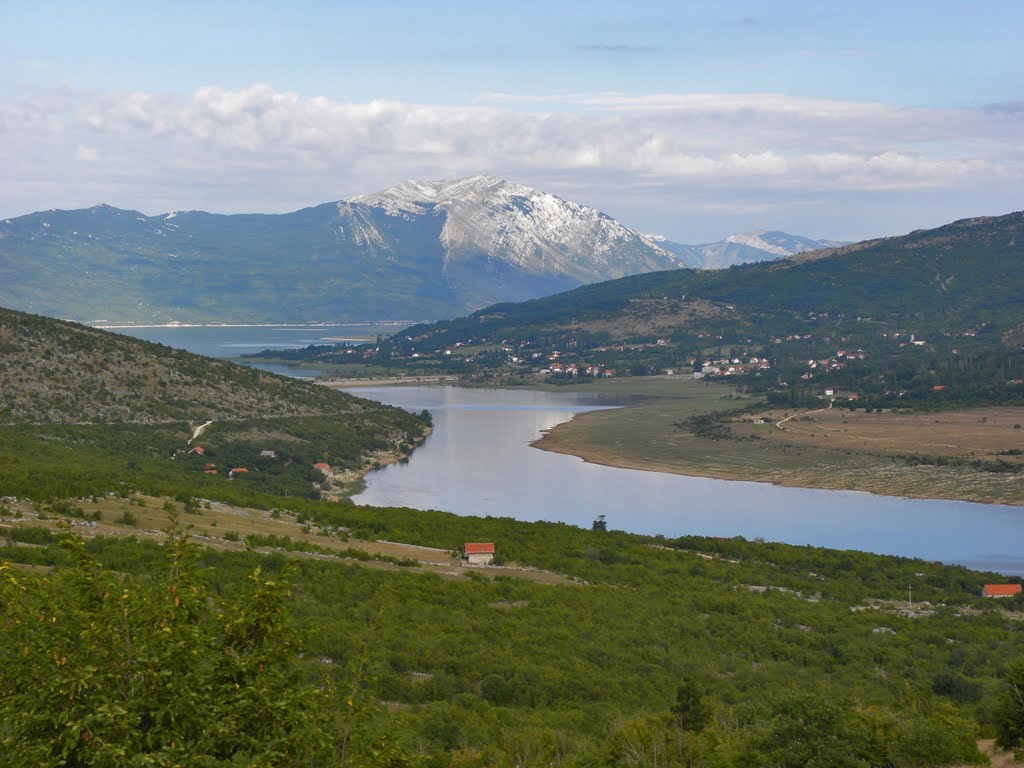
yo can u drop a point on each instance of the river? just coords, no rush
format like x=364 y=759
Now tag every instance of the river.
x=479 y=461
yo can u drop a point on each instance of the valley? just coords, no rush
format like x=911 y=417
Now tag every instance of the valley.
x=497 y=385
x=582 y=637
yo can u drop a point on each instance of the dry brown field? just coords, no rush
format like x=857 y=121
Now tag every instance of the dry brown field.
x=983 y=433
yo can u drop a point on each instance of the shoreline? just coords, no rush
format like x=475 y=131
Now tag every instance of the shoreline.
x=385 y=381
x=371 y=324
x=554 y=441
x=564 y=439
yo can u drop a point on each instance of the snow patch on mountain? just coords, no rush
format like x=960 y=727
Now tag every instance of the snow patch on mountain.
x=756 y=240
x=525 y=228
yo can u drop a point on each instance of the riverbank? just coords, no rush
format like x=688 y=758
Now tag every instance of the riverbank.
x=385 y=381
x=646 y=437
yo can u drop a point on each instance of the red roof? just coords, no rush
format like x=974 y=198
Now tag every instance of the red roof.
x=480 y=549
x=322 y=467
x=1001 y=589
x=239 y=469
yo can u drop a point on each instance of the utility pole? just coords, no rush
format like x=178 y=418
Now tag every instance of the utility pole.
x=910 y=595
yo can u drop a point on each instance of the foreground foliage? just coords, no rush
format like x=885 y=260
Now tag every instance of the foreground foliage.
x=103 y=670
x=667 y=658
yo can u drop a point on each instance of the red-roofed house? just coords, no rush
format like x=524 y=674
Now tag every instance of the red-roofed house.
x=325 y=468
x=237 y=471
x=1000 y=590
x=479 y=553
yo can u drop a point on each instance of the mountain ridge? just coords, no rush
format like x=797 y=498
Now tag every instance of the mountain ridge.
x=416 y=250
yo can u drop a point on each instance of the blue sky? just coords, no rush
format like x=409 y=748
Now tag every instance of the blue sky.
x=690 y=119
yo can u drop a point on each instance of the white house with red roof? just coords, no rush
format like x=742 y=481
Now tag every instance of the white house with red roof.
x=1000 y=590
x=478 y=553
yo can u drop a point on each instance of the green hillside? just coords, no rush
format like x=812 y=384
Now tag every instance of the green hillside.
x=108 y=408
x=207 y=267
x=934 y=315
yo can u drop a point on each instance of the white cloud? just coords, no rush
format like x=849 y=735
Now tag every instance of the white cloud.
x=264 y=149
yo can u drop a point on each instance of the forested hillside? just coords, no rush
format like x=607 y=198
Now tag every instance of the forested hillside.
x=933 y=316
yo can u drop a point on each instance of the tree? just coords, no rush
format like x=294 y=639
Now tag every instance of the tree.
x=1010 y=716
x=691 y=708
x=599 y=524
x=103 y=670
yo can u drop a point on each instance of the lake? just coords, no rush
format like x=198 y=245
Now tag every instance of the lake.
x=235 y=340
x=479 y=461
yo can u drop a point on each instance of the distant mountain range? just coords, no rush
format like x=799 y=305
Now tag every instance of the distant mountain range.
x=745 y=248
x=417 y=250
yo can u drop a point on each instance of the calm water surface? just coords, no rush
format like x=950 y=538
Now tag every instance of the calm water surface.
x=232 y=341
x=479 y=461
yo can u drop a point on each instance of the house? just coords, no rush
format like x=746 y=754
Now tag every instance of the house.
x=268 y=455
x=198 y=450
x=1000 y=590
x=478 y=553
x=321 y=467
x=237 y=471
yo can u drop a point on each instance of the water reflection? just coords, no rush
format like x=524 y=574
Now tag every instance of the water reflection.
x=479 y=462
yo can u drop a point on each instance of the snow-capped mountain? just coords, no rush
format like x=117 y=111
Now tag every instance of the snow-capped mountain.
x=743 y=248
x=521 y=229
x=418 y=250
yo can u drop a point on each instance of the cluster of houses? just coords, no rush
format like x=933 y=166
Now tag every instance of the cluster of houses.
x=730 y=366
x=834 y=363
x=210 y=468
x=580 y=369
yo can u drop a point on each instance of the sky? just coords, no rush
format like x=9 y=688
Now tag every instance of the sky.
x=692 y=120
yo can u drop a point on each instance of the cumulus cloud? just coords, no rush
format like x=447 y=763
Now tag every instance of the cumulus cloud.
x=263 y=149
